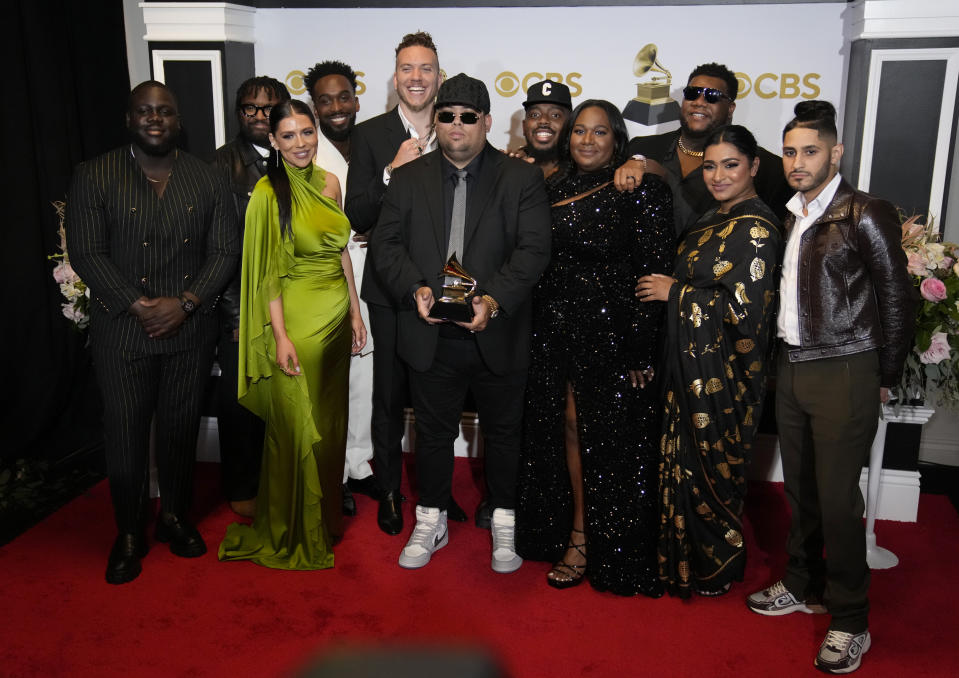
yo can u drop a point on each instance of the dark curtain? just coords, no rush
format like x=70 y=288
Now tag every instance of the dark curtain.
x=64 y=102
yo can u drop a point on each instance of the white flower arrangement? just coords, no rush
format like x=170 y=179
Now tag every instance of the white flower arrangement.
x=77 y=294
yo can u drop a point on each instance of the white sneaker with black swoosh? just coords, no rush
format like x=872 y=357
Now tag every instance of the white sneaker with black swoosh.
x=429 y=534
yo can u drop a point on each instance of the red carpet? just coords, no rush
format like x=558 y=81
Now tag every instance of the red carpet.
x=205 y=618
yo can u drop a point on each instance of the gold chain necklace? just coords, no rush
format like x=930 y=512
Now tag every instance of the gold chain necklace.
x=176 y=154
x=694 y=154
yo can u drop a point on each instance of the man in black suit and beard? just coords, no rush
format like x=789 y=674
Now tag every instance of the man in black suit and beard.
x=379 y=146
x=152 y=231
x=490 y=211
x=243 y=161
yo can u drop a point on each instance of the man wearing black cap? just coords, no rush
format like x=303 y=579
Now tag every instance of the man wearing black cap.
x=548 y=105
x=490 y=211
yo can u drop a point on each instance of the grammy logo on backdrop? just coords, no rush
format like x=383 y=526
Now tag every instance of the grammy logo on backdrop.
x=652 y=104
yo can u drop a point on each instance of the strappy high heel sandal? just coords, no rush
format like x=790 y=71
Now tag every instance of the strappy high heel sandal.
x=563 y=575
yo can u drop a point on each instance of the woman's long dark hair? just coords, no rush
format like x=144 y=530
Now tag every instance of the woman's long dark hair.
x=620 y=138
x=275 y=169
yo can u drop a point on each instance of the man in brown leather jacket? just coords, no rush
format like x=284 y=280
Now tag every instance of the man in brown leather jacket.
x=847 y=308
x=244 y=162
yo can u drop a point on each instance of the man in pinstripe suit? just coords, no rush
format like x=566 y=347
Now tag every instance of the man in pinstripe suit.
x=152 y=231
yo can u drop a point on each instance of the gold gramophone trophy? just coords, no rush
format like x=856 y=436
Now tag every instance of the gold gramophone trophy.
x=456 y=304
x=652 y=104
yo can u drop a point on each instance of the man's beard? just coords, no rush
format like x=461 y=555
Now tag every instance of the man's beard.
x=543 y=155
x=338 y=134
x=689 y=134
x=261 y=140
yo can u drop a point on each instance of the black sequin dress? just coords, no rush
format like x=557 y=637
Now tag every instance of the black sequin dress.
x=588 y=328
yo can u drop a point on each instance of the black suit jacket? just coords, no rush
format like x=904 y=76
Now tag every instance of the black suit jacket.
x=691 y=198
x=125 y=243
x=373 y=146
x=506 y=241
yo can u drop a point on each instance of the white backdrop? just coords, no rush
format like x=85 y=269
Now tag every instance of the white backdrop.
x=782 y=53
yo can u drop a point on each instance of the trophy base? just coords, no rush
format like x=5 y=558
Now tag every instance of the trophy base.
x=461 y=313
x=651 y=113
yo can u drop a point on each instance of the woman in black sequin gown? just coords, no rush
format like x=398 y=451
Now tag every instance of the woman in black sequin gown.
x=587 y=480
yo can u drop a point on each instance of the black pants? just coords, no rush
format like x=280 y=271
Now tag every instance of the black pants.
x=136 y=389
x=827 y=412
x=390 y=395
x=438 y=396
x=240 y=431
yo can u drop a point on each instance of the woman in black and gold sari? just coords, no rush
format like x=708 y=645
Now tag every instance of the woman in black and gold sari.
x=721 y=302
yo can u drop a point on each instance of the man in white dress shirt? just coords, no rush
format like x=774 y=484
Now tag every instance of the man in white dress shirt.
x=332 y=87
x=847 y=308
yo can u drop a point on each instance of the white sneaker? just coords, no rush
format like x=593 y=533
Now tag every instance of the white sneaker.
x=503 y=527
x=842 y=652
x=428 y=535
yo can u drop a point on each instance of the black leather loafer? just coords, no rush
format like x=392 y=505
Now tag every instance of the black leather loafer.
x=124 y=563
x=349 y=503
x=184 y=539
x=455 y=512
x=389 y=517
x=484 y=514
x=365 y=486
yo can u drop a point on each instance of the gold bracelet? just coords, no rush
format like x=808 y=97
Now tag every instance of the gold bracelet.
x=492 y=304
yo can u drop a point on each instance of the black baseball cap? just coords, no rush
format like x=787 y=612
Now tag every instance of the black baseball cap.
x=548 y=92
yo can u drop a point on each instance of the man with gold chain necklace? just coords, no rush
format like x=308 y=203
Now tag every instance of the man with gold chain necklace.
x=709 y=100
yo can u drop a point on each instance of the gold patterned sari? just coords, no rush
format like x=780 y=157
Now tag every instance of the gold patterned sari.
x=720 y=319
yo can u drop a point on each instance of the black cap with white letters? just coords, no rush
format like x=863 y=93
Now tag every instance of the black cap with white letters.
x=548 y=92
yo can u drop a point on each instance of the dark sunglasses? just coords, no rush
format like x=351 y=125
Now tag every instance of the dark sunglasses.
x=249 y=110
x=691 y=93
x=467 y=117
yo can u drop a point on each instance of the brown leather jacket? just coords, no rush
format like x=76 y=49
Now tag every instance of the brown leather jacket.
x=855 y=293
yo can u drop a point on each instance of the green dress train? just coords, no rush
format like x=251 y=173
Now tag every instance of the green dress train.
x=298 y=509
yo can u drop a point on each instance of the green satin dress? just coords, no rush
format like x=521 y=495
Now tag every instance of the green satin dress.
x=299 y=503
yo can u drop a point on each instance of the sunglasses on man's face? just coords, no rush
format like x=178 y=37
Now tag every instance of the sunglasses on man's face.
x=467 y=117
x=711 y=95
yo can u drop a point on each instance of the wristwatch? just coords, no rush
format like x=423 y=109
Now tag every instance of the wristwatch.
x=187 y=304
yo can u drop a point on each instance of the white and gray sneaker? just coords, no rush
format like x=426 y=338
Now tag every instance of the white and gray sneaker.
x=777 y=600
x=842 y=652
x=429 y=534
x=503 y=527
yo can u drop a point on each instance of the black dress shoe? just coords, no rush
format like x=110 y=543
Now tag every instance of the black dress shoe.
x=455 y=512
x=365 y=486
x=185 y=541
x=349 y=503
x=484 y=514
x=124 y=563
x=389 y=517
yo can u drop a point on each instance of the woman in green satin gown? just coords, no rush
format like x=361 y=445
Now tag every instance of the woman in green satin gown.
x=299 y=323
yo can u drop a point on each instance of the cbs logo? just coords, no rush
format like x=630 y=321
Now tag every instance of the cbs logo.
x=508 y=83
x=783 y=85
x=294 y=82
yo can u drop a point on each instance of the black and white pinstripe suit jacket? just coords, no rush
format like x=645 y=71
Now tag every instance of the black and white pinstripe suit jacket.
x=126 y=242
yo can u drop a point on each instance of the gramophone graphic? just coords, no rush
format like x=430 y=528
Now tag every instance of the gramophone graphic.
x=652 y=105
x=456 y=304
